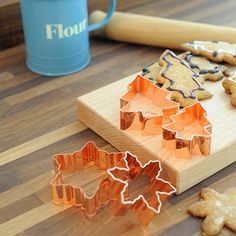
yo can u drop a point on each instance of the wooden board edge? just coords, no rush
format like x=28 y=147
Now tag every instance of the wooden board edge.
x=207 y=168
x=102 y=127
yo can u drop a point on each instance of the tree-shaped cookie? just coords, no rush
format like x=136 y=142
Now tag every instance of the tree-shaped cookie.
x=183 y=82
x=218 y=210
x=217 y=51
x=206 y=69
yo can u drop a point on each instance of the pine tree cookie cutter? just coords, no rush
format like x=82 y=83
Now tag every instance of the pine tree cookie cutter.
x=189 y=133
x=171 y=119
x=70 y=163
x=135 y=116
x=145 y=205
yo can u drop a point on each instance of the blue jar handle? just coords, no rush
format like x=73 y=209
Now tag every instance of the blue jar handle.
x=100 y=24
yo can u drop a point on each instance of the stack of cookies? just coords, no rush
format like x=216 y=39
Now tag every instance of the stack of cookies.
x=185 y=74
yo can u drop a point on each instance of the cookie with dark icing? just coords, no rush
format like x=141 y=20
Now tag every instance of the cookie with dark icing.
x=205 y=68
x=183 y=82
x=229 y=85
x=217 y=51
x=151 y=71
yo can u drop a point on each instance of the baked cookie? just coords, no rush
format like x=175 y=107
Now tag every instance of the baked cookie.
x=205 y=68
x=231 y=71
x=214 y=50
x=151 y=71
x=229 y=85
x=183 y=82
x=218 y=210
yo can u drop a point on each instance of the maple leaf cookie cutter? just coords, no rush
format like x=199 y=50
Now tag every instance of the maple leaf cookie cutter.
x=139 y=119
x=113 y=187
x=69 y=194
x=154 y=194
x=186 y=141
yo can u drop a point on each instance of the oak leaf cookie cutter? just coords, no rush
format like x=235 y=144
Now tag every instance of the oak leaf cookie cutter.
x=134 y=117
x=69 y=194
x=189 y=132
x=148 y=203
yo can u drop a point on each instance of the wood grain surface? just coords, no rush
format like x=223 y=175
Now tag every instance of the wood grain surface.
x=38 y=118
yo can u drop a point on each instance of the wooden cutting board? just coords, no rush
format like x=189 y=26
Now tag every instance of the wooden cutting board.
x=99 y=110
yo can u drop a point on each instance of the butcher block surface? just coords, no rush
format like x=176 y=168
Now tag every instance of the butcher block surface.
x=38 y=117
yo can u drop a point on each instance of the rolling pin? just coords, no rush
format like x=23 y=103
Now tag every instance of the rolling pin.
x=156 y=31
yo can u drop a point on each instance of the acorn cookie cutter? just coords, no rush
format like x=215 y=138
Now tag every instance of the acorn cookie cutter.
x=69 y=194
x=147 y=204
x=189 y=133
x=135 y=116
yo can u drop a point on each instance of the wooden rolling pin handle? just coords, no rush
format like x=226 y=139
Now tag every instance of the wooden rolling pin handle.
x=155 y=31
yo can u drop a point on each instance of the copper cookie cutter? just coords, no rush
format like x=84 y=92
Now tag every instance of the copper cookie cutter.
x=70 y=163
x=189 y=133
x=147 y=204
x=113 y=186
x=151 y=110
x=177 y=126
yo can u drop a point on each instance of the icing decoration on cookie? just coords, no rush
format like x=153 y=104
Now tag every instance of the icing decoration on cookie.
x=207 y=69
x=178 y=77
x=217 y=51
